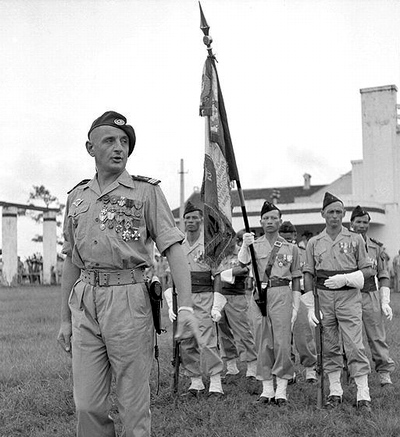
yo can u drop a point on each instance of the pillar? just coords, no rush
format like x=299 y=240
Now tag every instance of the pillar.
x=49 y=245
x=10 y=254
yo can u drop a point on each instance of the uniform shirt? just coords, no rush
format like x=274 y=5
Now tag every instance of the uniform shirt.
x=238 y=286
x=195 y=255
x=376 y=256
x=287 y=261
x=99 y=226
x=346 y=253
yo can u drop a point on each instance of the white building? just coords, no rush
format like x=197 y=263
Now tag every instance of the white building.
x=373 y=182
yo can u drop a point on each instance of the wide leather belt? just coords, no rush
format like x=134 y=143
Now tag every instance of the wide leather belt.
x=109 y=278
x=201 y=282
x=276 y=282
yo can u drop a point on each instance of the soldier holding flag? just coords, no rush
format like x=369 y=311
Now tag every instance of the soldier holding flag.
x=279 y=260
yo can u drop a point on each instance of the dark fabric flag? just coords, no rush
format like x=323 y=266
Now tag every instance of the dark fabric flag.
x=220 y=169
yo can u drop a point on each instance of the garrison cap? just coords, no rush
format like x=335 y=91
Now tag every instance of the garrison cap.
x=268 y=206
x=330 y=198
x=114 y=119
x=287 y=227
x=190 y=207
x=358 y=211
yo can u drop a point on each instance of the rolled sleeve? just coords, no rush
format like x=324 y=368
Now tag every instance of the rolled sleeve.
x=295 y=267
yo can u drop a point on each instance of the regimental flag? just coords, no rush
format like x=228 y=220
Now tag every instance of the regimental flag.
x=220 y=168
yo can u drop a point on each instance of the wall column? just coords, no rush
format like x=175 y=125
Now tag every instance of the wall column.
x=10 y=254
x=49 y=245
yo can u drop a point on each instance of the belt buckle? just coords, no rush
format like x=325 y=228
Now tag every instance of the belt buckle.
x=95 y=277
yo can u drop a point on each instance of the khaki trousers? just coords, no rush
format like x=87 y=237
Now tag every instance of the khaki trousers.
x=113 y=334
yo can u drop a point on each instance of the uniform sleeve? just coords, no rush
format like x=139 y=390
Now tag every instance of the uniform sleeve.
x=67 y=232
x=295 y=267
x=362 y=259
x=309 y=264
x=160 y=222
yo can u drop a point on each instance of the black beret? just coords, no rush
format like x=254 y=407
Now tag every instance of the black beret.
x=287 y=227
x=191 y=208
x=330 y=198
x=114 y=119
x=359 y=212
x=268 y=206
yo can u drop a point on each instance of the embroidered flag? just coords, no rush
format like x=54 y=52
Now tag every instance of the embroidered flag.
x=220 y=168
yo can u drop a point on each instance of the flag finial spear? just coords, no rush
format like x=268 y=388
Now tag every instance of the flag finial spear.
x=205 y=28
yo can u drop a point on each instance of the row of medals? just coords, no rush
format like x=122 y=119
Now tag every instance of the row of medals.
x=119 y=212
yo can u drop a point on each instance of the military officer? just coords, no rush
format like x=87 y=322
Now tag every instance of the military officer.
x=338 y=260
x=375 y=303
x=111 y=224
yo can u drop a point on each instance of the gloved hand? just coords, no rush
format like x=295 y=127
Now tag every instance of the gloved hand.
x=168 y=299
x=248 y=239
x=308 y=300
x=227 y=276
x=244 y=253
x=295 y=307
x=188 y=326
x=385 y=300
x=354 y=279
x=218 y=306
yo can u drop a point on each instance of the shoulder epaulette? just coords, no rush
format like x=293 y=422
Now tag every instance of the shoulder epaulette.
x=85 y=181
x=151 y=181
x=376 y=242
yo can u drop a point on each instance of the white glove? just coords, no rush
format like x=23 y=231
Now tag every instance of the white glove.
x=248 y=239
x=308 y=300
x=295 y=306
x=244 y=253
x=355 y=279
x=227 y=276
x=385 y=300
x=168 y=299
x=218 y=306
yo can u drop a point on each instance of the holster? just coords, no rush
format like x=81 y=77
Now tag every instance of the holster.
x=260 y=298
x=155 y=292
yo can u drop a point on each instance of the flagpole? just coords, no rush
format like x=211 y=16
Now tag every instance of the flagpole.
x=207 y=41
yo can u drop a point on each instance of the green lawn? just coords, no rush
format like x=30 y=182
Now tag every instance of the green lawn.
x=36 y=395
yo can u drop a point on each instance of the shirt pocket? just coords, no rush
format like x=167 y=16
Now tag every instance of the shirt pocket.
x=76 y=215
x=319 y=256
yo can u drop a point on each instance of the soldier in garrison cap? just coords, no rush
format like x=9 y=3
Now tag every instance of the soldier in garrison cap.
x=278 y=265
x=375 y=303
x=200 y=359
x=337 y=260
x=111 y=224
x=303 y=336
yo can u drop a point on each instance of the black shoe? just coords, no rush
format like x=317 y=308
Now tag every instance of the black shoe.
x=333 y=402
x=364 y=406
x=281 y=402
x=215 y=395
x=263 y=400
x=192 y=394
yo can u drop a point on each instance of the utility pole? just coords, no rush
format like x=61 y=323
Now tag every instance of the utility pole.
x=182 y=202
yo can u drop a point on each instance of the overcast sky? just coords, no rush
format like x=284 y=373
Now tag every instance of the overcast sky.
x=290 y=71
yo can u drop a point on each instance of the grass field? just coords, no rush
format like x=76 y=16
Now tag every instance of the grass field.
x=36 y=394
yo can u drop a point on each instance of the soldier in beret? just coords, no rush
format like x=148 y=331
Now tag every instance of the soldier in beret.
x=338 y=261
x=278 y=265
x=111 y=224
x=303 y=336
x=375 y=303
